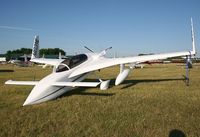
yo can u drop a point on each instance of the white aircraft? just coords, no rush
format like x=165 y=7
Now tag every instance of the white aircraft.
x=22 y=61
x=68 y=73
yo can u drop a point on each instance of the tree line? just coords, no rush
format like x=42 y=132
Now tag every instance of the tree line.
x=28 y=51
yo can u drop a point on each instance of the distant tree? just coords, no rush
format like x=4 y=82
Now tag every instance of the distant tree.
x=26 y=50
x=17 y=53
x=51 y=51
x=22 y=51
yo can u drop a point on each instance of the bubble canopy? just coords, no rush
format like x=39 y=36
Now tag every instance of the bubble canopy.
x=71 y=62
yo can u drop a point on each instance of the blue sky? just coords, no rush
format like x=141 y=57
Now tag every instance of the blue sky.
x=129 y=26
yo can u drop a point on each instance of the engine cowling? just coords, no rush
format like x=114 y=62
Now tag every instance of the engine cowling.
x=122 y=76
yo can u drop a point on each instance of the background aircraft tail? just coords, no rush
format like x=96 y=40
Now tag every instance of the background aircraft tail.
x=60 y=55
x=35 y=50
x=25 y=58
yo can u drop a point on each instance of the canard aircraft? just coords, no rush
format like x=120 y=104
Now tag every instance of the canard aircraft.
x=69 y=73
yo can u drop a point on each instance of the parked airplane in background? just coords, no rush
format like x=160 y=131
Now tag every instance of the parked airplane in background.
x=68 y=73
x=22 y=61
x=35 y=53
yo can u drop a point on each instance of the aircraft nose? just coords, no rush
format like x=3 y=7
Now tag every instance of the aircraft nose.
x=26 y=103
x=29 y=101
x=33 y=96
x=40 y=94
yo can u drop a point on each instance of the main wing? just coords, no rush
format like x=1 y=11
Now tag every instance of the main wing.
x=103 y=62
x=99 y=63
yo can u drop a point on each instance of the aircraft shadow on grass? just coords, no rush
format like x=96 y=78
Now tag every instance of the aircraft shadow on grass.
x=6 y=70
x=176 y=133
x=126 y=83
x=129 y=83
x=81 y=91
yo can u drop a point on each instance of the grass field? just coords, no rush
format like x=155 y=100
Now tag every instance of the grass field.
x=152 y=102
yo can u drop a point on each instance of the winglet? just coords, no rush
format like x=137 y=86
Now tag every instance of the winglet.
x=193 y=40
x=35 y=50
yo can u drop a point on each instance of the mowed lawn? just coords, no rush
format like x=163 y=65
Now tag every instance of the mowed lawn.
x=152 y=102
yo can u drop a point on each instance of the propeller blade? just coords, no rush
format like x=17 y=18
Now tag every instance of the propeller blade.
x=89 y=49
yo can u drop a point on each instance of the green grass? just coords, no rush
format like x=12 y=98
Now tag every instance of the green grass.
x=152 y=102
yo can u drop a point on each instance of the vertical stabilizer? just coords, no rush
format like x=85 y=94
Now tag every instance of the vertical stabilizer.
x=35 y=50
x=193 y=40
